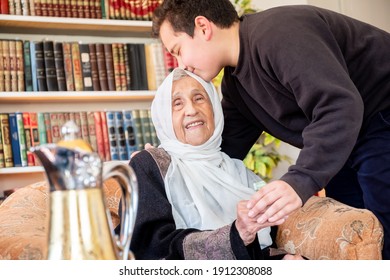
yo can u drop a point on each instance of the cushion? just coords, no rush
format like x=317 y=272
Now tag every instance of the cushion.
x=24 y=218
x=327 y=229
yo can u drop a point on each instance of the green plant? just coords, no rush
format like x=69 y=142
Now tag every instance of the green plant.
x=263 y=157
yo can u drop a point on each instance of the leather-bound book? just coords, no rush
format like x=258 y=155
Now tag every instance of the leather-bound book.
x=28 y=83
x=101 y=62
x=50 y=66
x=20 y=65
x=86 y=67
x=77 y=68
x=94 y=67
x=39 y=65
x=59 y=65
x=68 y=67
x=109 y=66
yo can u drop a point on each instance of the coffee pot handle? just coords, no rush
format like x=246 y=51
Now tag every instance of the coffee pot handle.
x=127 y=180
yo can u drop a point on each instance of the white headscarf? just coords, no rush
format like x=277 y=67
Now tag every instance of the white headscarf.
x=202 y=183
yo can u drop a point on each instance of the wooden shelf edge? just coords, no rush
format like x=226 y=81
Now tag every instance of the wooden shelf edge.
x=21 y=170
x=60 y=25
x=75 y=97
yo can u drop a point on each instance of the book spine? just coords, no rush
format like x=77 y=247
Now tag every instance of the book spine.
x=56 y=8
x=42 y=128
x=22 y=139
x=109 y=66
x=94 y=67
x=101 y=62
x=77 y=120
x=12 y=65
x=86 y=67
x=131 y=143
x=68 y=68
x=59 y=66
x=84 y=126
x=145 y=128
x=34 y=129
x=50 y=66
x=62 y=8
x=55 y=127
x=99 y=135
x=77 y=70
x=142 y=66
x=127 y=66
x=2 y=88
x=106 y=140
x=6 y=65
x=34 y=79
x=122 y=67
x=115 y=61
x=40 y=66
x=138 y=129
x=20 y=65
x=27 y=133
x=92 y=131
x=13 y=125
x=6 y=139
x=48 y=127
x=2 y=163
x=4 y=8
x=50 y=8
x=120 y=135
x=111 y=128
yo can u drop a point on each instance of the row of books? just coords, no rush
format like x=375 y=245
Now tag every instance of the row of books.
x=106 y=9
x=114 y=135
x=74 y=66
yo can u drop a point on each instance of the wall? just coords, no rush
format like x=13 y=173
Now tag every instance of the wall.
x=375 y=12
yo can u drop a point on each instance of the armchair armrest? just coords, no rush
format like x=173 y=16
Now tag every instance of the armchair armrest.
x=327 y=229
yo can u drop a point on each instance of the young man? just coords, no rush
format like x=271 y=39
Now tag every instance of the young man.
x=311 y=77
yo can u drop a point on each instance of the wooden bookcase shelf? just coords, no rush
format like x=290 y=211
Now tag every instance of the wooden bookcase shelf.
x=74 y=26
x=67 y=29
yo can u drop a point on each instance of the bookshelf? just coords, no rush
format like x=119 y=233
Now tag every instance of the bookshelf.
x=65 y=29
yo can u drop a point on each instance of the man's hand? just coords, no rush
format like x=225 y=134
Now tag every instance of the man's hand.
x=273 y=202
x=247 y=227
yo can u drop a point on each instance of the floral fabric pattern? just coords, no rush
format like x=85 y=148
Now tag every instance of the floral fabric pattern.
x=327 y=229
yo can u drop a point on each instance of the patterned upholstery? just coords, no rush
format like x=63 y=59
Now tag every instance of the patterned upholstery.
x=322 y=229
x=327 y=229
x=24 y=220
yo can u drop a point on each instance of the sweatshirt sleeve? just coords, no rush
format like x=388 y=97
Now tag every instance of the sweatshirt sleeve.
x=310 y=64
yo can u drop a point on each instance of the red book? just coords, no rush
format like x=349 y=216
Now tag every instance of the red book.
x=99 y=135
x=106 y=139
x=4 y=8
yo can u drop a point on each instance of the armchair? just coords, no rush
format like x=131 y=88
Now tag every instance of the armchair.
x=322 y=229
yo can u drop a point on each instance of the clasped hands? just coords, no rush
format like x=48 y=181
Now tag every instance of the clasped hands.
x=269 y=206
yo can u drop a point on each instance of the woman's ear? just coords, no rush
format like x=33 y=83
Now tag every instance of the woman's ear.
x=203 y=27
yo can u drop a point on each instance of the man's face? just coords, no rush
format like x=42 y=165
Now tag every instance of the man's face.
x=193 y=54
x=192 y=112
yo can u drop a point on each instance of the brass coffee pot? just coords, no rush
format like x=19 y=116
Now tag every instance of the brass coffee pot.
x=80 y=223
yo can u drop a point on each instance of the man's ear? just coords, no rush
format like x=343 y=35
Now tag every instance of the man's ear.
x=204 y=27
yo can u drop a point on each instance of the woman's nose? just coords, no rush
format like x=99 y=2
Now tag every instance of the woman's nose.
x=190 y=109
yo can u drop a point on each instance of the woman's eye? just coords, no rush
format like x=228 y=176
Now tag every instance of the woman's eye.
x=199 y=98
x=177 y=104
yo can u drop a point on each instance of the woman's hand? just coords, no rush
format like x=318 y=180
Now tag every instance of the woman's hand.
x=248 y=227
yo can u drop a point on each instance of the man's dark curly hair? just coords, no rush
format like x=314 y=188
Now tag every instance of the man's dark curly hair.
x=181 y=14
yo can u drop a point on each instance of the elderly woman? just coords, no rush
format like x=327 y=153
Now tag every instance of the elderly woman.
x=192 y=195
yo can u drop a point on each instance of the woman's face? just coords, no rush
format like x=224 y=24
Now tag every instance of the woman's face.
x=192 y=112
